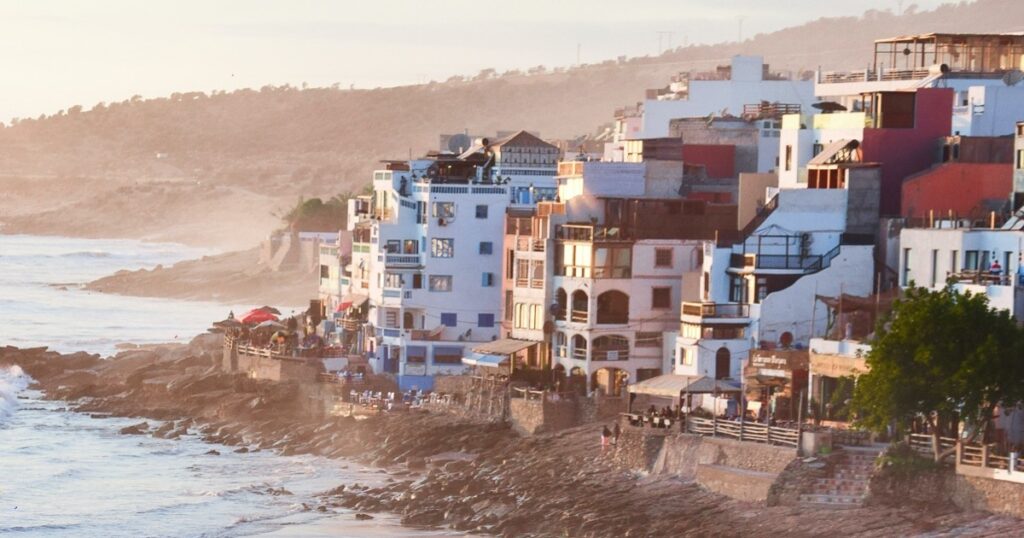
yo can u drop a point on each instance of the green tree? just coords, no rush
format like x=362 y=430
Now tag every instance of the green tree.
x=943 y=356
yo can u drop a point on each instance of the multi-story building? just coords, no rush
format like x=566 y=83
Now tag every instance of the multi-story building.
x=425 y=254
x=958 y=62
x=592 y=280
x=983 y=261
x=759 y=290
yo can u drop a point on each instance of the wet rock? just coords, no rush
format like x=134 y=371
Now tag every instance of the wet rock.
x=135 y=429
x=212 y=452
x=242 y=450
x=430 y=517
x=363 y=517
x=415 y=464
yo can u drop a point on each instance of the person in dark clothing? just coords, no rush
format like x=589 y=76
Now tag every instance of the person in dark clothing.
x=616 y=432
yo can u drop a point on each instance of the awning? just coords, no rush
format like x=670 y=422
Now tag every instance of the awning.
x=505 y=346
x=706 y=385
x=492 y=361
x=668 y=385
x=349 y=301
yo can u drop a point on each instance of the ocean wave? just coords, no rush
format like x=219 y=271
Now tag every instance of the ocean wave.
x=36 y=528
x=12 y=381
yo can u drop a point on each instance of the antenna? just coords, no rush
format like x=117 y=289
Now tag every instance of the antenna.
x=662 y=34
x=739 y=31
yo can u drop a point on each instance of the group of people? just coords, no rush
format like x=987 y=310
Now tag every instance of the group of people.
x=610 y=437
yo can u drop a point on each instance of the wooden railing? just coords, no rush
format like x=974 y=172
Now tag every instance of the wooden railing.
x=744 y=431
x=579 y=316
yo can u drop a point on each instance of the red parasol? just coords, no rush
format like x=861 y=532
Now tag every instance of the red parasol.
x=257 y=316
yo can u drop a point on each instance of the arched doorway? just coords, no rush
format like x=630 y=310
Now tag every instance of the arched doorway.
x=610 y=381
x=407 y=320
x=578 y=380
x=722 y=363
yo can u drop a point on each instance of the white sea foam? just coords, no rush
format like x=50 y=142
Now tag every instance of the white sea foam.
x=12 y=381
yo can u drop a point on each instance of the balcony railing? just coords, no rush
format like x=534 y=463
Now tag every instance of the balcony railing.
x=609 y=354
x=570 y=168
x=392 y=293
x=716 y=310
x=404 y=260
x=579 y=316
x=590 y=233
x=527 y=244
x=580 y=354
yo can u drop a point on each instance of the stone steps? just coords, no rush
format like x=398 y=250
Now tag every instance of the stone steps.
x=848 y=485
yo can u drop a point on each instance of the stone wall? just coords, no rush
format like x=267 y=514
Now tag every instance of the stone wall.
x=529 y=417
x=637 y=448
x=741 y=484
x=683 y=452
x=942 y=486
x=259 y=367
x=453 y=384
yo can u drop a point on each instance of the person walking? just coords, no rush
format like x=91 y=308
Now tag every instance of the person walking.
x=606 y=435
x=616 y=432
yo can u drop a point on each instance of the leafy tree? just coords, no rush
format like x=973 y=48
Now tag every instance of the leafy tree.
x=944 y=356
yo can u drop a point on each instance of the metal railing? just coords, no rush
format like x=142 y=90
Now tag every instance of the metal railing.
x=402 y=260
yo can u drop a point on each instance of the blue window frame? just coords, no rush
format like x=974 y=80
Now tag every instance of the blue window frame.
x=449 y=319
x=487 y=280
x=486 y=247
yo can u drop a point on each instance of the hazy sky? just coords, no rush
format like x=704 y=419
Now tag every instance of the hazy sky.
x=58 y=53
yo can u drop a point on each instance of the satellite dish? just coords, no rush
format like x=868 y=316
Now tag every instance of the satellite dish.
x=1013 y=77
x=459 y=143
x=906 y=51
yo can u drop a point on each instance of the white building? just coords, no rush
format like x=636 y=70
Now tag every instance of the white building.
x=980 y=261
x=426 y=253
x=760 y=290
x=746 y=82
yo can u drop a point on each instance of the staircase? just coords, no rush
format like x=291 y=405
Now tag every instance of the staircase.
x=848 y=485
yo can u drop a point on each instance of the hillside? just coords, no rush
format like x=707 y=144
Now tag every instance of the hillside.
x=129 y=168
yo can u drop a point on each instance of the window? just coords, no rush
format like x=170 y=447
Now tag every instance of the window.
x=392 y=280
x=508 y=305
x=440 y=283
x=393 y=246
x=905 y=275
x=510 y=264
x=486 y=247
x=442 y=247
x=417 y=281
x=410 y=246
x=447 y=355
x=485 y=320
x=953 y=267
x=1020 y=159
x=970 y=260
x=449 y=319
x=661 y=297
x=487 y=280
x=737 y=290
x=817 y=148
x=935 y=267
x=685 y=358
x=391 y=319
x=481 y=212
x=519 y=321
x=421 y=212
x=444 y=210
x=613 y=262
x=537 y=274
x=325 y=271
x=522 y=273
x=789 y=157
x=663 y=257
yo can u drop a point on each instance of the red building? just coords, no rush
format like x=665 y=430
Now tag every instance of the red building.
x=974 y=177
x=901 y=135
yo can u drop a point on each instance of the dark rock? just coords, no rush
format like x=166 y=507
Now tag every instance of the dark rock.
x=135 y=429
x=363 y=517
x=242 y=450
x=212 y=452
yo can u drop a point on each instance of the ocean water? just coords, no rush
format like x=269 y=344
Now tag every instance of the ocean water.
x=69 y=474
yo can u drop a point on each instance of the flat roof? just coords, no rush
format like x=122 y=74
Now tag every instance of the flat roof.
x=944 y=36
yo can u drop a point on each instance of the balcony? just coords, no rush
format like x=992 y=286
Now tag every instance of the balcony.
x=590 y=233
x=403 y=260
x=811 y=263
x=717 y=310
x=579 y=316
x=529 y=244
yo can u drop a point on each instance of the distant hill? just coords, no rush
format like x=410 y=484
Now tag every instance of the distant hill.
x=280 y=142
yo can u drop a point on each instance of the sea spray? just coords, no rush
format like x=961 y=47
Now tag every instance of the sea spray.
x=12 y=381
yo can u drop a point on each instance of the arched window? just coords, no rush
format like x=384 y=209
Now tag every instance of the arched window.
x=561 y=304
x=613 y=308
x=580 y=306
x=561 y=348
x=611 y=347
x=579 y=347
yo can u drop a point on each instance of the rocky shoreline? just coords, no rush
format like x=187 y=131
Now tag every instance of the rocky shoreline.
x=442 y=471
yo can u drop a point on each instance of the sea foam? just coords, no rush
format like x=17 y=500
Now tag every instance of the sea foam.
x=12 y=381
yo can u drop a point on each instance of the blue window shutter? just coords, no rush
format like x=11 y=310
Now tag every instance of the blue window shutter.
x=485 y=320
x=449 y=319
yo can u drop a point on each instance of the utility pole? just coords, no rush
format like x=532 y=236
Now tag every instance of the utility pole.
x=739 y=31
